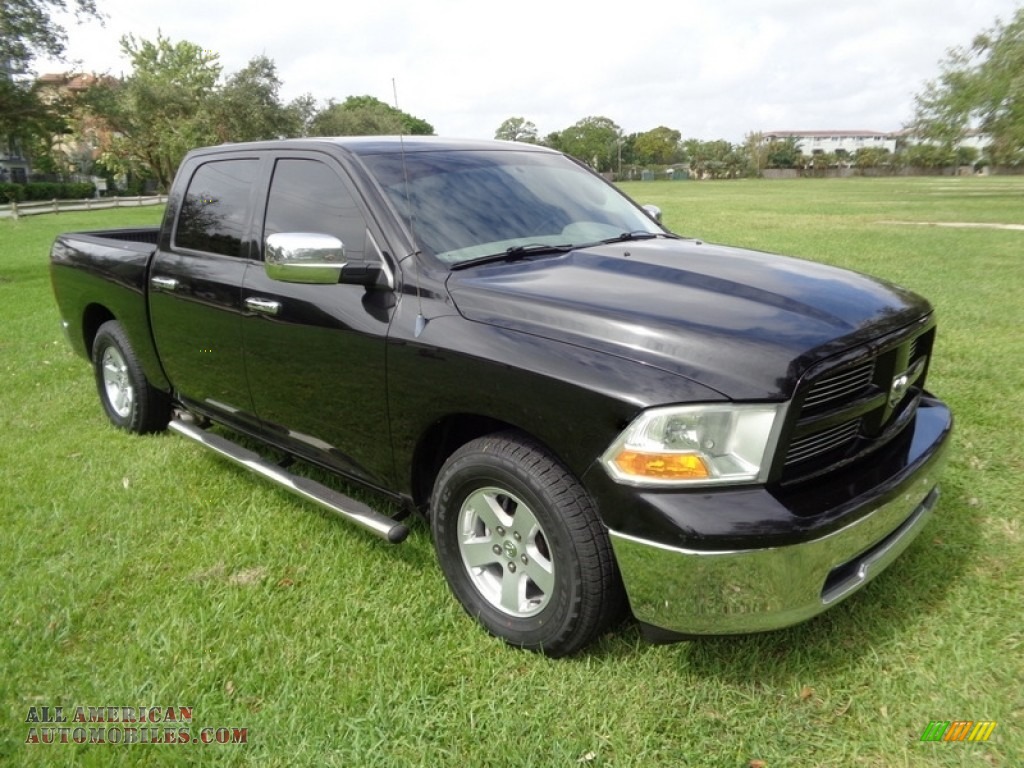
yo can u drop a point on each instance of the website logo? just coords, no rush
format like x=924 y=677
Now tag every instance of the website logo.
x=958 y=730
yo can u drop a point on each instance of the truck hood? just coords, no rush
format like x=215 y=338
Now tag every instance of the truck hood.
x=745 y=323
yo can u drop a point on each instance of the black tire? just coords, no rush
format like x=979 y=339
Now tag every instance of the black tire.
x=128 y=398
x=522 y=548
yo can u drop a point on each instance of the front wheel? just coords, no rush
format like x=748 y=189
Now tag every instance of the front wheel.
x=521 y=546
x=128 y=398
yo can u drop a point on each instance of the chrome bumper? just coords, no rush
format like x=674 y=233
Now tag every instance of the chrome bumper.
x=693 y=592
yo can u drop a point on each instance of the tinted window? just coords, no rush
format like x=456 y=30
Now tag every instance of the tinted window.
x=216 y=206
x=308 y=196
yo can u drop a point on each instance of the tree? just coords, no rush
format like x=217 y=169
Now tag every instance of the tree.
x=718 y=159
x=594 y=140
x=979 y=87
x=366 y=116
x=757 y=150
x=783 y=153
x=929 y=156
x=23 y=115
x=27 y=30
x=517 y=129
x=301 y=111
x=658 y=146
x=871 y=157
x=164 y=108
x=248 y=107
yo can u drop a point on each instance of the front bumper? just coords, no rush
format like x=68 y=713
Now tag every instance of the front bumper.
x=679 y=590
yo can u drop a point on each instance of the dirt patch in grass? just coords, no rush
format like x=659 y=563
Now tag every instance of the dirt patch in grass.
x=957 y=224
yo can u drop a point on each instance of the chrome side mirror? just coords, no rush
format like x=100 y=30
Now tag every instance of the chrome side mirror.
x=653 y=211
x=304 y=257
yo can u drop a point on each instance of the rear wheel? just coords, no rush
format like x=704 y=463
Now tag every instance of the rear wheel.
x=522 y=547
x=128 y=398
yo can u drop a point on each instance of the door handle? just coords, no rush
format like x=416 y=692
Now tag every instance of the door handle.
x=164 y=283
x=263 y=306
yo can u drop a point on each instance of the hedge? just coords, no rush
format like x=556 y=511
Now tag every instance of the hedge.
x=46 y=190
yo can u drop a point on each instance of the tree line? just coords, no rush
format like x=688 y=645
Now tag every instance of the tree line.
x=602 y=144
x=599 y=142
x=176 y=96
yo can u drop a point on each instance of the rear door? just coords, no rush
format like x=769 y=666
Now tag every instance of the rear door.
x=195 y=287
x=315 y=354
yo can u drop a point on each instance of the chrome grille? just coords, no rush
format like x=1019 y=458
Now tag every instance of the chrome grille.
x=840 y=386
x=846 y=412
x=812 y=445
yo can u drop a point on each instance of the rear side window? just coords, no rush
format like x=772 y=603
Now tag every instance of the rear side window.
x=216 y=207
x=308 y=196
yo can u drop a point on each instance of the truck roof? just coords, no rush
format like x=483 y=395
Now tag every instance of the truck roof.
x=379 y=145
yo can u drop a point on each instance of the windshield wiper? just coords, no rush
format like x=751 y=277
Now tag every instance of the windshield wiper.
x=515 y=253
x=638 y=234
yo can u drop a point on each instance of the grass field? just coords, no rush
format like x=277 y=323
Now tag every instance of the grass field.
x=143 y=571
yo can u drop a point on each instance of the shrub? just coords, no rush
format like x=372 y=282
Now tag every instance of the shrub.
x=46 y=190
x=10 y=193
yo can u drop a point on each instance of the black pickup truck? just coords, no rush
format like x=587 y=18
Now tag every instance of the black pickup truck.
x=595 y=415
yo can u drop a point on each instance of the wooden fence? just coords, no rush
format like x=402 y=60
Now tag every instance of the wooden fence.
x=17 y=210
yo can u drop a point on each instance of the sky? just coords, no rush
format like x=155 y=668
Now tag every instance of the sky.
x=711 y=70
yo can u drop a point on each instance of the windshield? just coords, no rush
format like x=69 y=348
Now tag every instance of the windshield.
x=469 y=204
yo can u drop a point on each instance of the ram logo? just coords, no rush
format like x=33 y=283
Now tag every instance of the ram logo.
x=903 y=382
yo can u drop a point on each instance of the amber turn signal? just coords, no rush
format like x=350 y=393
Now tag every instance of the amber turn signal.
x=662 y=466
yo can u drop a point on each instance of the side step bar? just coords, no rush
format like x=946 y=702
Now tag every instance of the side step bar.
x=311 y=490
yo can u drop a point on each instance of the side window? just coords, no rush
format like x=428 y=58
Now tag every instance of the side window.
x=216 y=206
x=308 y=196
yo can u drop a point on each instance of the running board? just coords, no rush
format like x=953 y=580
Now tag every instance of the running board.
x=311 y=490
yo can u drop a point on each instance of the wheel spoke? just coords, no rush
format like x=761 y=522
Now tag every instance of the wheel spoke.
x=513 y=591
x=479 y=552
x=525 y=522
x=485 y=507
x=540 y=573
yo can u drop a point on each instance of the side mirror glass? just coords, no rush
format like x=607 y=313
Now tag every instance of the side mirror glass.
x=304 y=257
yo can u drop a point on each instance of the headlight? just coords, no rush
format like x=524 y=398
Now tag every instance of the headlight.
x=696 y=445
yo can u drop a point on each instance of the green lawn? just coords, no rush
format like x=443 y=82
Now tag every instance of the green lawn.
x=142 y=571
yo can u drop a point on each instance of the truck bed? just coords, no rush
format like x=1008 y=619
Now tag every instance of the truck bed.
x=101 y=275
x=137 y=236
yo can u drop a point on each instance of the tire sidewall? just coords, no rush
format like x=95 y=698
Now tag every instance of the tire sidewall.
x=458 y=480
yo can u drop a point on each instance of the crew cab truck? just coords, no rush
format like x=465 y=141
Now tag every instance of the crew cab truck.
x=594 y=414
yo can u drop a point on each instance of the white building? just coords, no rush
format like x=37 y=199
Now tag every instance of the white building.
x=841 y=142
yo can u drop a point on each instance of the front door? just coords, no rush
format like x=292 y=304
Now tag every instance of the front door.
x=315 y=354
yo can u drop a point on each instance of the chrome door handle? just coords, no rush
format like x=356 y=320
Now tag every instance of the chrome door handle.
x=263 y=306
x=164 y=283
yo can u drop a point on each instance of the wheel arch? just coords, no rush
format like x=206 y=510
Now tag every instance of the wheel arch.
x=136 y=329
x=443 y=438
x=93 y=317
